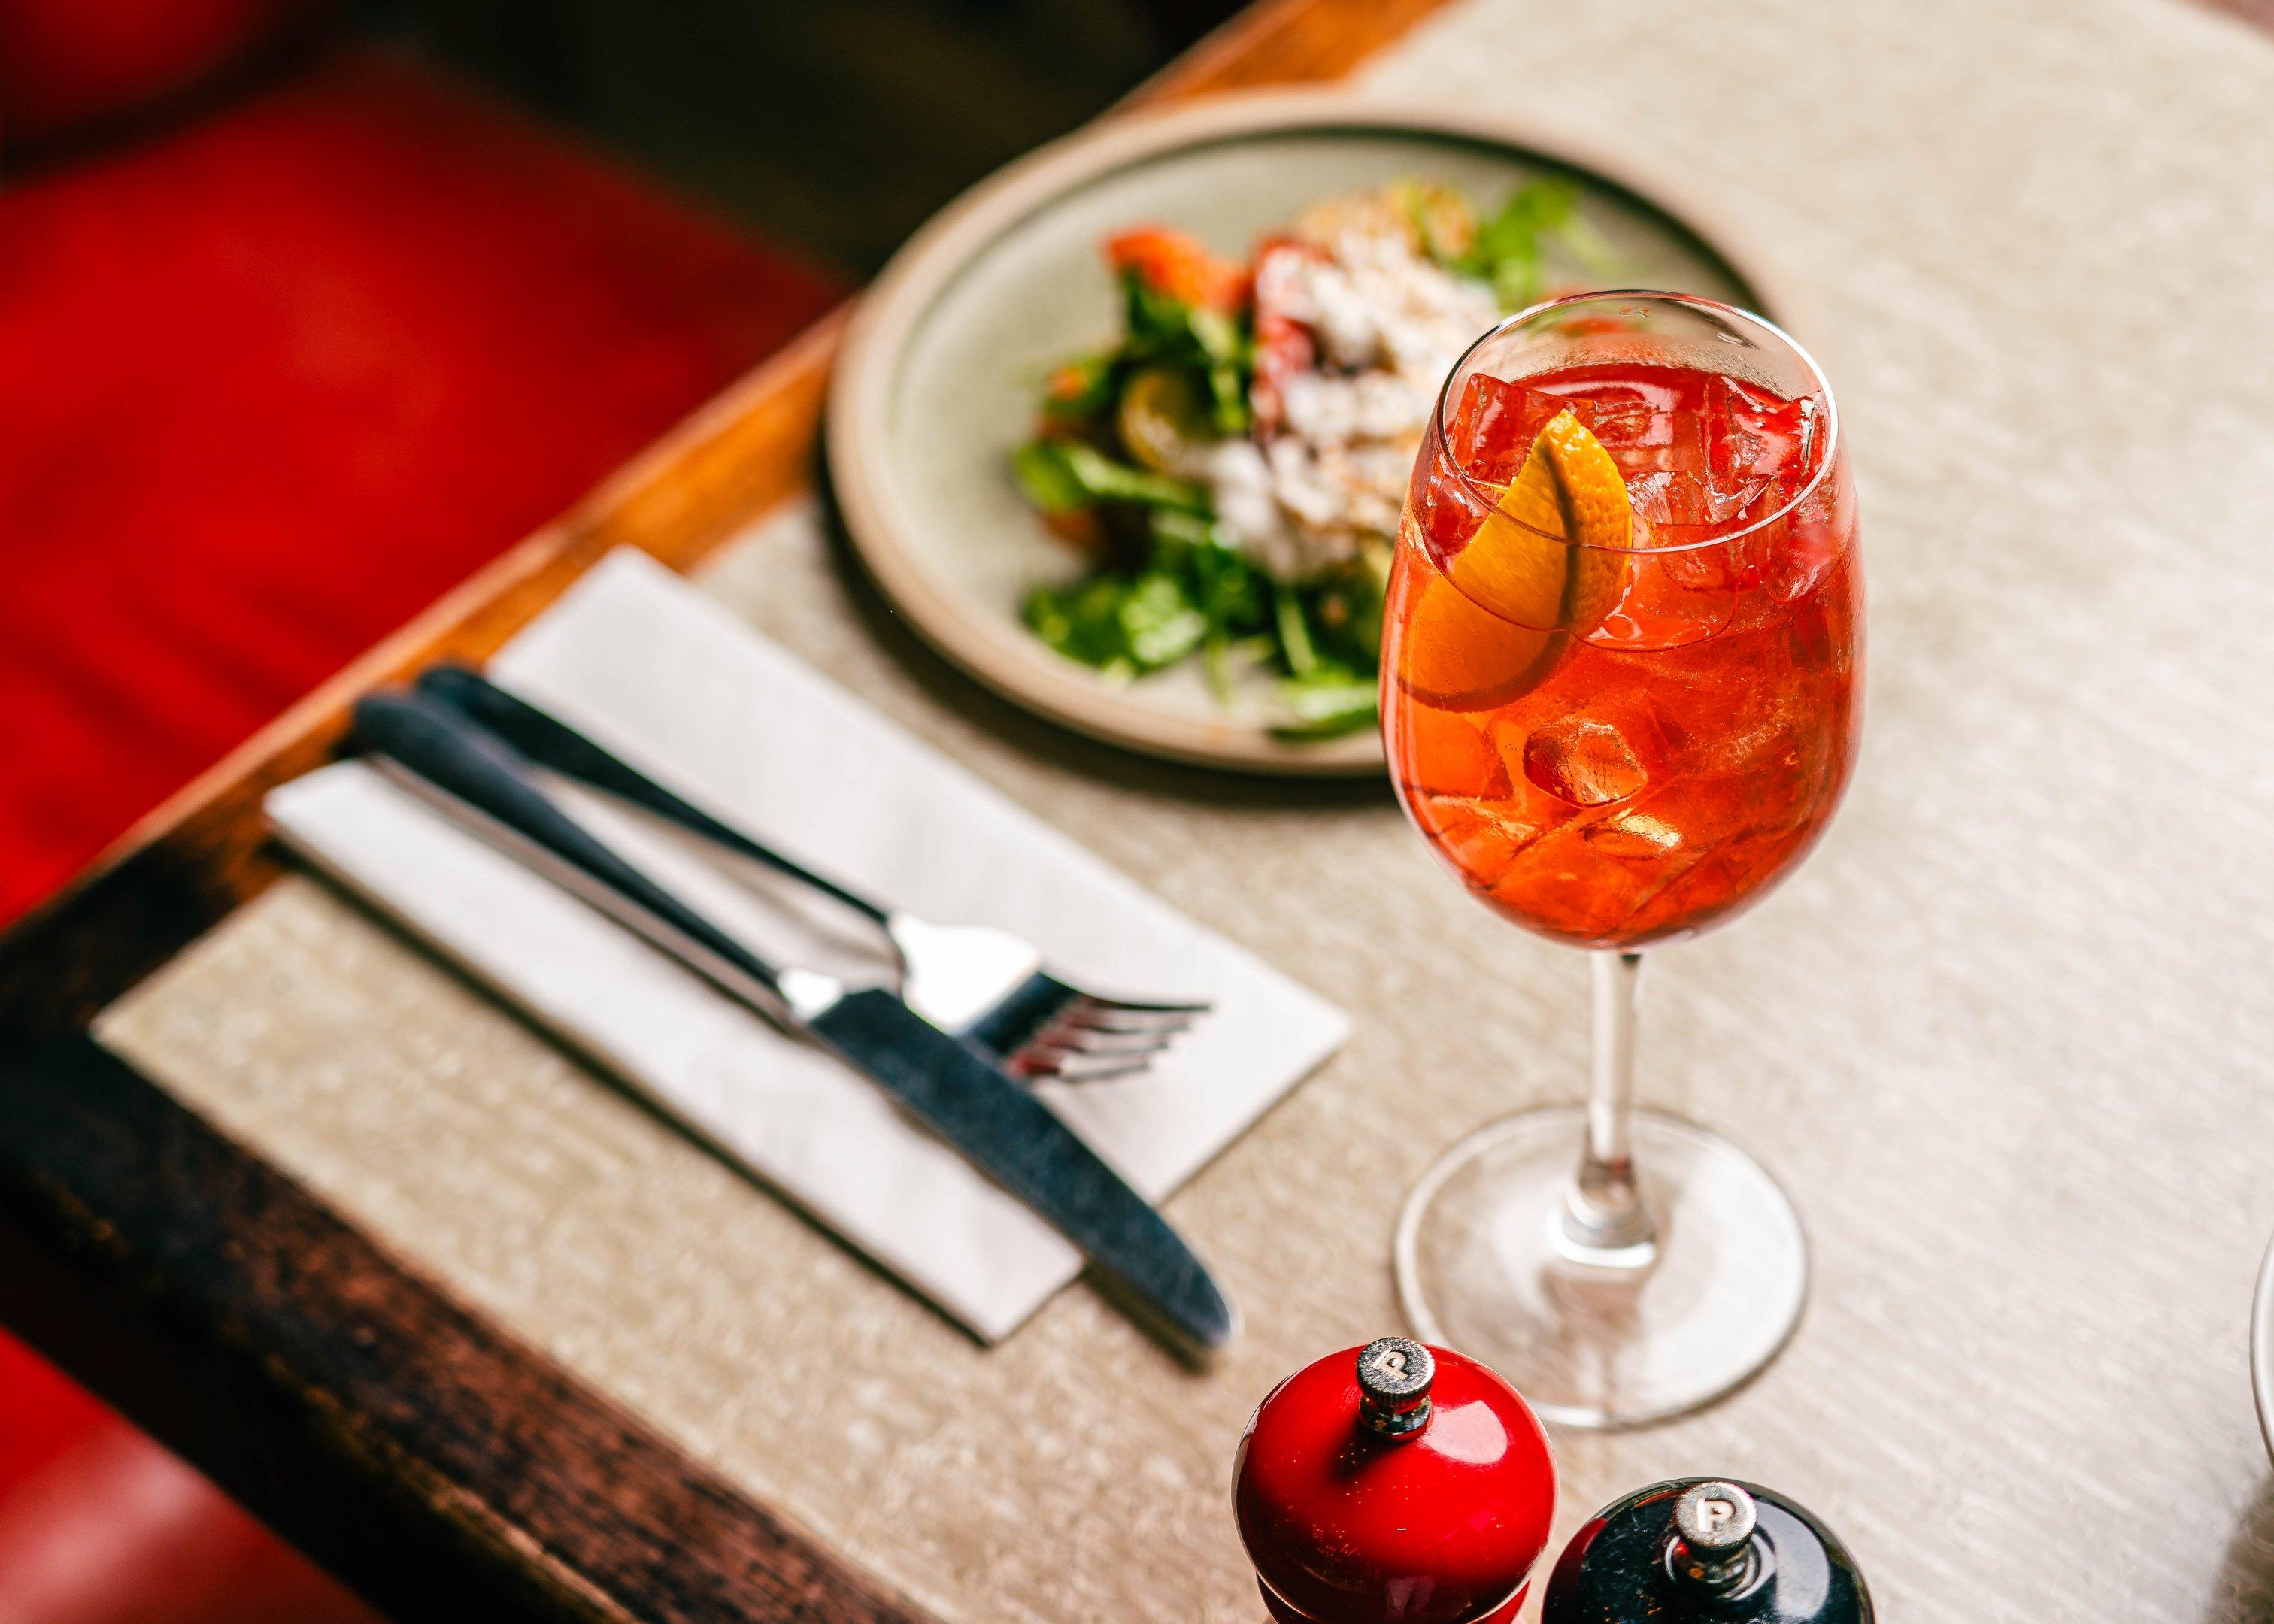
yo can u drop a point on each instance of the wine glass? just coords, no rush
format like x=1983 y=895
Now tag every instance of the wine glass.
x=1618 y=725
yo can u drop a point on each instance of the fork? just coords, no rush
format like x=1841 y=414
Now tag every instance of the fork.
x=987 y=986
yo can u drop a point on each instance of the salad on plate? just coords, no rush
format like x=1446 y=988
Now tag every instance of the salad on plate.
x=1232 y=467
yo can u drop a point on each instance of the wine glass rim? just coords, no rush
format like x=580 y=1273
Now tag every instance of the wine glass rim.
x=1441 y=449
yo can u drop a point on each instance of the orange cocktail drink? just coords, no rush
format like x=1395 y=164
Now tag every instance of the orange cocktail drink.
x=1620 y=694
x=1639 y=737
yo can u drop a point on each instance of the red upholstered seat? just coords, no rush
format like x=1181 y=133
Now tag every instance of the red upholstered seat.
x=273 y=382
x=98 y=1525
x=272 y=377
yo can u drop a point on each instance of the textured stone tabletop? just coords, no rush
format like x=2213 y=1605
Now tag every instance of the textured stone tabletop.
x=2004 y=1036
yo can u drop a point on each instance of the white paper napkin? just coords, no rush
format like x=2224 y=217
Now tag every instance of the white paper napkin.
x=666 y=678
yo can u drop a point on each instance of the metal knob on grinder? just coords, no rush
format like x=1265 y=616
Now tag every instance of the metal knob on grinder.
x=1393 y=1484
x=1705 y=1548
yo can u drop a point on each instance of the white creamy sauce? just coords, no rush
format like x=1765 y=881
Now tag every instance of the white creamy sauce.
x=1389 y=326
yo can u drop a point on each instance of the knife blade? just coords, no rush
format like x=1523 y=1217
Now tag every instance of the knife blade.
x=482 y=785
x=1020 y=1142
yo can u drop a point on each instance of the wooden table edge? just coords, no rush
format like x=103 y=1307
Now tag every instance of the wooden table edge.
x=433 y=1461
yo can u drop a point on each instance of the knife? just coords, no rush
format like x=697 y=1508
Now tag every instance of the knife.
x=483 y=785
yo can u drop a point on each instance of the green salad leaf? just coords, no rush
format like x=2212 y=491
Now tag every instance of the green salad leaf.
x=1511 y=245
x=1198 y=593
x=1214 y=343
x=1294 y=628
x=1124 y=625
x=1194 y=593
x=1333 y=700
x=1059 y=475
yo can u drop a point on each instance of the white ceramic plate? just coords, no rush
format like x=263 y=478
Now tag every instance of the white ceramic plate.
x=935 y=384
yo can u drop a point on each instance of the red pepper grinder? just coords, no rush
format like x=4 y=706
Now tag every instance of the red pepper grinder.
x=1393 y=1484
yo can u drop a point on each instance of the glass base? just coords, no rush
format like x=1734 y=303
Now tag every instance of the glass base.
x=1600 y=1339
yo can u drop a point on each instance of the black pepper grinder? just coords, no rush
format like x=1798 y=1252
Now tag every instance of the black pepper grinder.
x=1705 y=1548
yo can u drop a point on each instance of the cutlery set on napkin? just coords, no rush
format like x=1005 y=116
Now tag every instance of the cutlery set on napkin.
x=730 y=903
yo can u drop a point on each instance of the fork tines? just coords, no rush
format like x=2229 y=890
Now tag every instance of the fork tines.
x=1049 y=1029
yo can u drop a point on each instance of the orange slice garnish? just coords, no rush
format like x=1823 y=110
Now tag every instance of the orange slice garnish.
x=1548 y=555
x=1456 y=657
x=1546 y=562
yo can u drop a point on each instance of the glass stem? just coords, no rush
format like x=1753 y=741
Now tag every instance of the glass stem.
x=1604 y=1209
